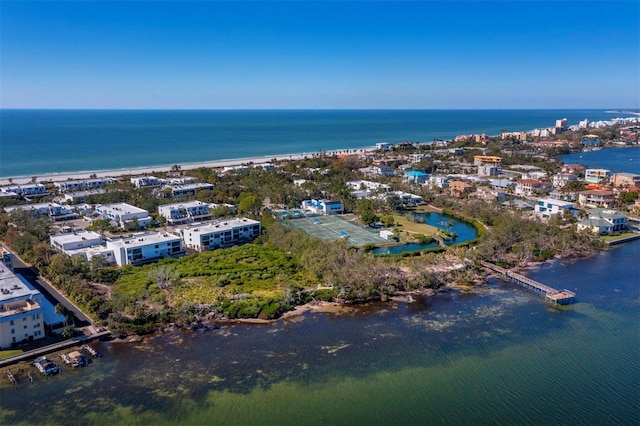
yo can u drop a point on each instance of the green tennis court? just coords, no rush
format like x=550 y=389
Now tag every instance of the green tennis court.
x=334 y=227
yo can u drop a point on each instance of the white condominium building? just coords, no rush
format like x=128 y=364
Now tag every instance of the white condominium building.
x=145 y=248
x=220 y=234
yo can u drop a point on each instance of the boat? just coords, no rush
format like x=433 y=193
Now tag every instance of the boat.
x=46 y=366
x=74 y=359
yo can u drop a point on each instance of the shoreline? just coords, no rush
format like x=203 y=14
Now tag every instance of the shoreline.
x=136 y=171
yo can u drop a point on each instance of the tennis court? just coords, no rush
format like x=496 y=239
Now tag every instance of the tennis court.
x=334 y=227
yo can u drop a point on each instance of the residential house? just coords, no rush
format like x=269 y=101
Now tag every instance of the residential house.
x=601 y=221
x=379 y=170
x=407 y=199
x=560 y=180
x=145 y=248
x=488 y=194
x=415 y=176
x=383 y=146
x=597 y=198
x=187 y=212
x=437 y=181
x=220 y=234
x=547 y=207
x=459 y=188
x=529 y=187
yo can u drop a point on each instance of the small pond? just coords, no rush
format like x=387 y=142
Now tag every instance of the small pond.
x=465 y=232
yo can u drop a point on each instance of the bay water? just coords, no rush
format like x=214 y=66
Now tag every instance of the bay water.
x=494 y=354
x=41 y=142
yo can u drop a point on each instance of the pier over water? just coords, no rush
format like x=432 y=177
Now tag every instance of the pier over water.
x=552 y=295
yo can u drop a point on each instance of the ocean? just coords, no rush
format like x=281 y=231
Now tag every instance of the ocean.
x=494 y=355
x=41 y=142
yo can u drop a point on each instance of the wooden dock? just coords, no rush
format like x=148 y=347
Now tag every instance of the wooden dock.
x=556 y=297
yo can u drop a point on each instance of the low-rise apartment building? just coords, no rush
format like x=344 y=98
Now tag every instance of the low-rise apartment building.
x=84 y=184
x=177 y=191
x=145 y=248
x=53 y=210
x=125 y=215
x=220 y=234
x=25 y=315
x=626 y=180
x=187 y=212
x=26 y=190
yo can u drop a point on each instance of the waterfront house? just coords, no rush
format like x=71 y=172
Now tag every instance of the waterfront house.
x=597 y=198
x=597 y=175
x=125 y=215
x=383 y=146
x=602 y=221
x=220 y=234
x=145 y=247
x=187 y=212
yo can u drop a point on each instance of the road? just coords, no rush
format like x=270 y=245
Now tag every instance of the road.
x=49 y=291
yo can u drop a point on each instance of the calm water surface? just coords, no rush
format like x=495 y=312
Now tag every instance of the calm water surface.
x=38 y=142
x=496 y=355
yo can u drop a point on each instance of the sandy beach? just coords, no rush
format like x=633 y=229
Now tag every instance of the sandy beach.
x=138 y=171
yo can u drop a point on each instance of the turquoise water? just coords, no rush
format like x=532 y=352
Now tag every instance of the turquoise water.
x=465 y=232
x=37 y=142
x=495 y=355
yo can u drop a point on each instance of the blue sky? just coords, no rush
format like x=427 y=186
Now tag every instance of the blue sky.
x=408 y=54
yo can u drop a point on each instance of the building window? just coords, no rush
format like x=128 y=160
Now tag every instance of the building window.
x=11 y=322
x=25 y=327
x=13 y=331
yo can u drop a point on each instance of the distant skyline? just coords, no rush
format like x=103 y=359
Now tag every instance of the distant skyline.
x=306 y=54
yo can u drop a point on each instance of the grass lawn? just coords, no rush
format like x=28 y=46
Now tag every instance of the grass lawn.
x=407 y=226
x=9 y=353
x=613 y=238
